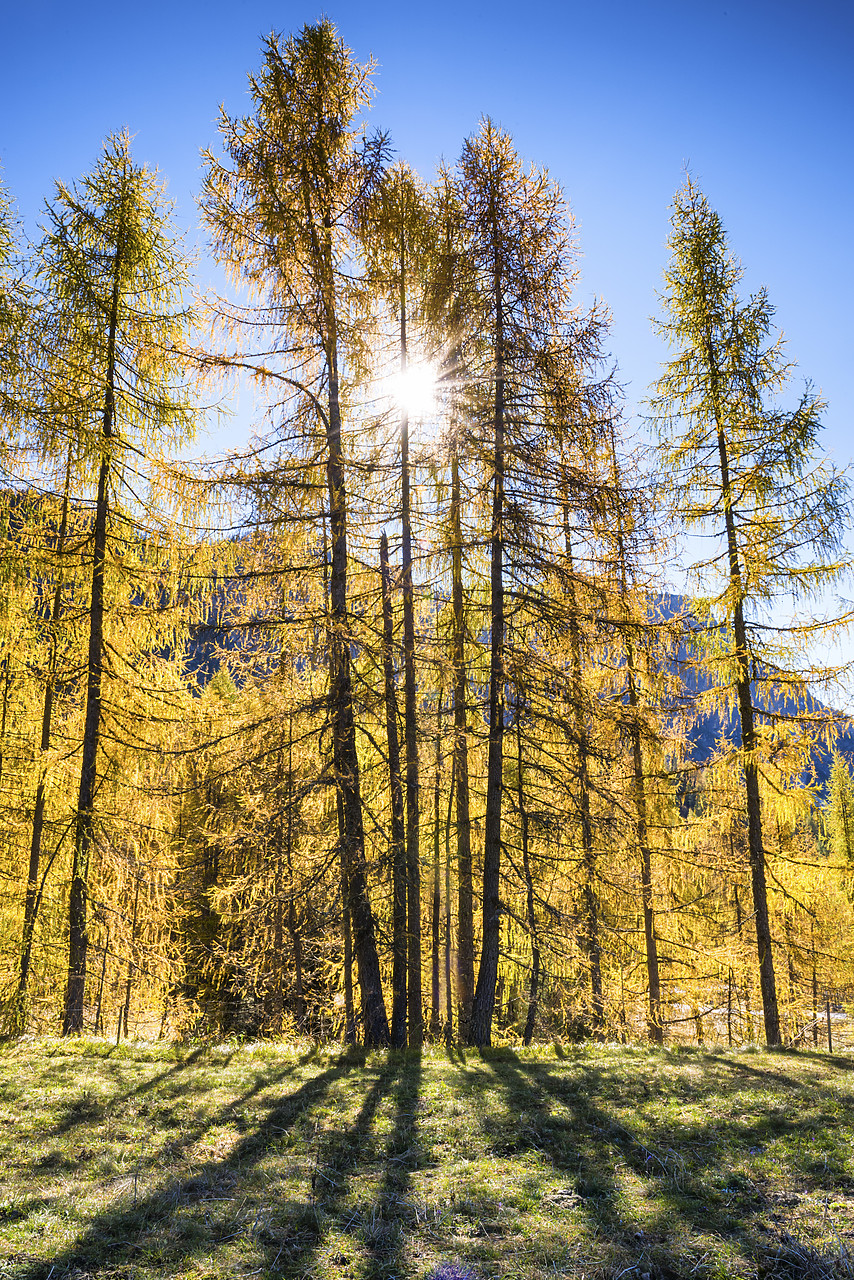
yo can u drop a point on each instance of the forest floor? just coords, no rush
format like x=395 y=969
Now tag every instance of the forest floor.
x=145 y=1161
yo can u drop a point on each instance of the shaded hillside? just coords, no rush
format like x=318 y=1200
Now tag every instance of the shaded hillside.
x=706 y=729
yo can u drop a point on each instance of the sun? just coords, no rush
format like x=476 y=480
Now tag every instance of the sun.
x=414 y=389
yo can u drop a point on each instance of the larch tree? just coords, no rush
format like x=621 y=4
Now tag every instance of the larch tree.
x=396 y=234
x=282 y=209
x=746 y=470
x=14 y=317
x=111 y=274
x=400 y=950
x=447 y=311
x=839 y=810
x=517 y=245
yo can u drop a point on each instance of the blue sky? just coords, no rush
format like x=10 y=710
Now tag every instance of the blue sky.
x=613 y=97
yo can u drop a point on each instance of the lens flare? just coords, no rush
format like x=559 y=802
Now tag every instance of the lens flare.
x=414 y=389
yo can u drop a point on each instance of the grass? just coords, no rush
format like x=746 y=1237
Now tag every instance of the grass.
x=148 y=1161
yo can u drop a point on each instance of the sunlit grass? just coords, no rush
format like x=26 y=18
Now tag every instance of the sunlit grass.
x=157 y=1161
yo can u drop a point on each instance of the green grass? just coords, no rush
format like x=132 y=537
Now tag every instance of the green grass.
x=602 y=1161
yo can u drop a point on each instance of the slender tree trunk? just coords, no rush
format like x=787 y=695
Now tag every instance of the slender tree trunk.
x=484 y=996
x=655 y=1028
x=277 y=1002
x=293 y=923
x=449 y=985
x=78 y=937
x=436 y=913
x=814 y=987
x=32 y=894
x=398 y=838
x=534 y=983
x=410 y=721
x=131 y=965
x=654 y=1024
x=342 y=720
x=99 y=1023
x=590 y=940
x=7 y=680
x=349 y=1005
x=465 y=892
x=749 y=744
x=345 y=757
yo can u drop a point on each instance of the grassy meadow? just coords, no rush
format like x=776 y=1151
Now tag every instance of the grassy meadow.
x=143 y=1161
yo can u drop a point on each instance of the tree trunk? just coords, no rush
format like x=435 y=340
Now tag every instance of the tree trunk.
x=654 y=1024
x=589 y=933
x=7 y=680
x=78 y=938
x=749 y=744
x=349 y=1006
x=31 y=898
x=534 y=984
x=484 y=996
x=131 y=965
x=342 y=722
x=436 y=913
x=99 y=1023
x=655 y=1028
x=465 y=892
x=293 y=923
x=449 y=985
x=398 y=839
x=410 y=722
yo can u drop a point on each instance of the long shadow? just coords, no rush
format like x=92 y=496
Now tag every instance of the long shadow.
x=86 y=1109
x=592 y=1144
x=584 y=1145
x=91 y=1113
x=120 y=1234
x=384 y=1232
x=738 y=1066
x=338 y=1157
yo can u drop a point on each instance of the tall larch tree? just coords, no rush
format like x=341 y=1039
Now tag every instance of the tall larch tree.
x=747 y=471
x=397 y=239
x=517 y=245
x=111 y=273
x=282 y=208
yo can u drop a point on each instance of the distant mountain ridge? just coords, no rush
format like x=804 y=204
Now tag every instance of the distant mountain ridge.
x=706 y=729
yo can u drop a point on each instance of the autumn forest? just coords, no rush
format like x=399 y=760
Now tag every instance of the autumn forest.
x=462 y=704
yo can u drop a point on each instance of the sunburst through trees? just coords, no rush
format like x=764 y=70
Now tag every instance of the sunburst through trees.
x=388 y=727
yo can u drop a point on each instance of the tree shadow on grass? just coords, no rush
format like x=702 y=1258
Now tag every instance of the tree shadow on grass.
x=597 y=1149
x=384 y=1233
x=155 y=1231
x=86 y=1108
x=739 y=1066
x=343 y=1155
x=89 y=1116
x=583 y=1144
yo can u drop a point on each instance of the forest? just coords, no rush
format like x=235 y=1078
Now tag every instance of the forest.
x=393 y=726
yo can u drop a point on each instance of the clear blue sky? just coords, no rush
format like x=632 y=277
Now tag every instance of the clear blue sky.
x=614 y=97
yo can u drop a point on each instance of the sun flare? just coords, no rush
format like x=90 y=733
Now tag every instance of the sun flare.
x=414 y=389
